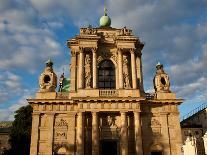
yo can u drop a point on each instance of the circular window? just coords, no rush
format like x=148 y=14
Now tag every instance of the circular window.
x=47 y=79
x=163 y=80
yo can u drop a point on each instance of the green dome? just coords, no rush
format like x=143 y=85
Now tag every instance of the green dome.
x=105 y=21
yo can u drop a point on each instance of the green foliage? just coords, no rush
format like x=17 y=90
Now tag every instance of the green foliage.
x=20 y=135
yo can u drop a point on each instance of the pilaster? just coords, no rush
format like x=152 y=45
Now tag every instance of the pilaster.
x=138 y=134
x=73 y=71
x=81 y=65
x=95 y=134
x=133 y=68
x=124 y=134
x=94 y=67
x=120 y=65
x=34 y=133
x=80 y=135
x=50 y=132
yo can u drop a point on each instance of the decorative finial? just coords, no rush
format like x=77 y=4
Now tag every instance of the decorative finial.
x=159 y=65
x=105 y=20
x=105 y=9
x=49 y=63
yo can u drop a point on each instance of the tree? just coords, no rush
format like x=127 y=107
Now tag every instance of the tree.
x=20 y=135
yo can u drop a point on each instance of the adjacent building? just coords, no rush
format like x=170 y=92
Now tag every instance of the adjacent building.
x=194 y=135
x=5 y=128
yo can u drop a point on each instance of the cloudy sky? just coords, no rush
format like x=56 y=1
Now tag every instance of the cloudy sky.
x=31 y=31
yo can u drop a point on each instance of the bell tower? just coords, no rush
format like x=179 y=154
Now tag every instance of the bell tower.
x=105 y=59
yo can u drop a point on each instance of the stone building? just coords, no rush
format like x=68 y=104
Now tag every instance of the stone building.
x=5 y=128
x=194 y=135
x=106 y=110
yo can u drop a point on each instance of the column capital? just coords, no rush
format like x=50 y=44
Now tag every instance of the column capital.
x=81 y=49
x=36 y=113
x=73 y=53
x=132 y=50
x=120 y=49
x=94 y=49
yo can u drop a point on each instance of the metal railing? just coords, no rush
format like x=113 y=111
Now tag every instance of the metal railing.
x=150 y=95
x=108 y=93
x=194 y=111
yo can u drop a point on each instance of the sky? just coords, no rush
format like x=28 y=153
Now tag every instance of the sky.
x=31 y=31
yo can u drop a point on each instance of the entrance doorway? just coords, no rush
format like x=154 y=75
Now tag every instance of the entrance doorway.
x=109 y=147
x=156 y=153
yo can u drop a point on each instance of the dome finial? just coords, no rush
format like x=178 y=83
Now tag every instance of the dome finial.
x=105 y=20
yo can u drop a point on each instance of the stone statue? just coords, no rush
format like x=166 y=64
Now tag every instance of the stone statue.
x=88 y=79
x=110 y=121
x=126 y=72
x=126 y=81
x=87 y=60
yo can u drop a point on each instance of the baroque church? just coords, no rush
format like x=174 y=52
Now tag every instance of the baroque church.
x=102 y=109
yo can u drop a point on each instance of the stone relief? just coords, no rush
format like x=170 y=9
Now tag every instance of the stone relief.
x=88 y=30
x=61 y=123
x=107 y=55
x=61 y=134
x=156 y=127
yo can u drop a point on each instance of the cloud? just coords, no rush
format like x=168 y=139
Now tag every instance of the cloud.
x=174 y=32
x=10 y=84
x=25 y=40
x=8 y=113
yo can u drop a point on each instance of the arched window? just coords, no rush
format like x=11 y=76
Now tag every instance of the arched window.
x=106 y=75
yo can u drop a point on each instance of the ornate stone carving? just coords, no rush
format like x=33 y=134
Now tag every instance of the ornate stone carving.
x=88 y=31
x=125 y=31
x=107 y=55
x=61 y=135
x=161 y=80
x=156 y=127
x=48 y=79
x=61 y=123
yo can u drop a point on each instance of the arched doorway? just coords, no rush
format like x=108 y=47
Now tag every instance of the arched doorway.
x=61 y=151
x=106 y=75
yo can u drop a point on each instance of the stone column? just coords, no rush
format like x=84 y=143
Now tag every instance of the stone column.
x=124 y=134
x=80 y=135
x=94 y=67
x=133 y=68
x=81 y=65
x=73 y=71
x=139 y=70
x=50 y=132
x=166 y=134
x=34 y=133
x=95 y=134
x=120 y=65
x=138 y=133
x=177 y=127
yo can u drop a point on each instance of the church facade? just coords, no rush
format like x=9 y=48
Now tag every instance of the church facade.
x=105 y=111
